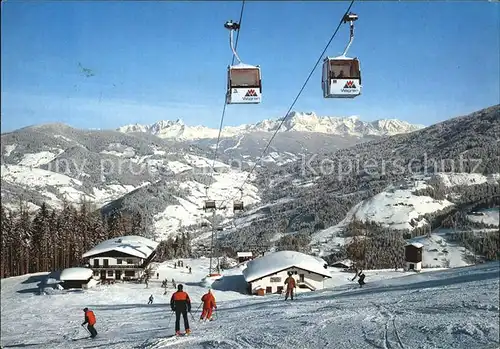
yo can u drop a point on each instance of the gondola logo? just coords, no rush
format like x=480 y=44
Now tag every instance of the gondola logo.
x=349 y=87
x=251 y=93
x=350 y=84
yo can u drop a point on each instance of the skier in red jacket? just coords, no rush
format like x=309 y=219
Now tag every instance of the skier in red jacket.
x=90 y=321
x=209 y=304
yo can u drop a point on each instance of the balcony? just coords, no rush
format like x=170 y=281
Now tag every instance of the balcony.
x=117 y=266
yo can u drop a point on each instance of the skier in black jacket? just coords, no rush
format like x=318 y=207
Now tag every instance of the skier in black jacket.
x=181 y=304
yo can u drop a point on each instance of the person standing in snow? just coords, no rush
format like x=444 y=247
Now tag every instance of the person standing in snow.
x=150 y=299
x=90 y=321
x=209 y=304
x=189 y=270
x=181 y=304
x=361 y=280
x=173 y=283
x=290 y=286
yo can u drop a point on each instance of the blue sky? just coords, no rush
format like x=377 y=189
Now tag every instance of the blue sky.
x=421 y=61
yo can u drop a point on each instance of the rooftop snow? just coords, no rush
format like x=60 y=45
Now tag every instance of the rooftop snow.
x=133 y=245
x=416 y=244
x=281 y=260
x=70 y=274
x=244 y=254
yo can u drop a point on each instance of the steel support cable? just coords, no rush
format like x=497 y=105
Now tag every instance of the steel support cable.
x=298 y=94
x=225 y=99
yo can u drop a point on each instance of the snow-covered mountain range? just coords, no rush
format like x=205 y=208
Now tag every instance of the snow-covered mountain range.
x=296 y=121
x=290 y=191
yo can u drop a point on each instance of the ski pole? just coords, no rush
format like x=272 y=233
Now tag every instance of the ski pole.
x=86 y=329
x=192 y=316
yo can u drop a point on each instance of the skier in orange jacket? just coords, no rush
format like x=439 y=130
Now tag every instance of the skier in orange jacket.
x=90 y=321
x=290 y=286
x=209 y=304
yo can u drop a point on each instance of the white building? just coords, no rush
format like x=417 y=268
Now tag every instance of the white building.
x=267 y=274
x=75 y=277
x=244 y=256
x=122 y=258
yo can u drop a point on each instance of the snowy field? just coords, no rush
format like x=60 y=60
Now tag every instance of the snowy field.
x=489 y=216
x=453 y=308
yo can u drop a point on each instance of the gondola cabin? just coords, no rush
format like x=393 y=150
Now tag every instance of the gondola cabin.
x=238 y=206
x=244 y=84
x=341 y=77
x=209 y=205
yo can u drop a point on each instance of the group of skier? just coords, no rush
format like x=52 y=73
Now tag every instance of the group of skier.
x=180 y=303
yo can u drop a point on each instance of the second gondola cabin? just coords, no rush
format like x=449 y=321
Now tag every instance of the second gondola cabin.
x=341 y=77
x=244 y=84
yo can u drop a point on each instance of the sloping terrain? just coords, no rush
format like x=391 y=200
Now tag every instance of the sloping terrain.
x=300 y=193
x=318 y=192
x=455 y=308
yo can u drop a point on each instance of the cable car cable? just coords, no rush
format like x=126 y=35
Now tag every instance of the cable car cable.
x=225 y=101
x=300 y=92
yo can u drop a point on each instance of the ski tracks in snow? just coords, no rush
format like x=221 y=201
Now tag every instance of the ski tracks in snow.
x=385 y=322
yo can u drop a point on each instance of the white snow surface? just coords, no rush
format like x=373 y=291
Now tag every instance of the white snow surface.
x=445 y=309
x=277 y=261
x=396 y=208
x=76 y=273
x=489 y=216
x=38 y=159
x=133 y=245
x=224 y=189
x=455 y=179
x=439 y=252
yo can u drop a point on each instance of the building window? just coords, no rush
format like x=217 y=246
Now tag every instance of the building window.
x=129 y=273
x=280 y=289
x=118 y=261
x=130 y=261
x=105 y=262
x=96 y=263
x=269 y=289
x=275 y=279
x=110 y=272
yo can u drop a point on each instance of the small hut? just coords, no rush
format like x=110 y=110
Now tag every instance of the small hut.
x=244 y=256
x=75 y=277
x=413 y=256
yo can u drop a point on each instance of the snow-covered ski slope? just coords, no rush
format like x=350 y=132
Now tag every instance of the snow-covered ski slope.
x=453 y=308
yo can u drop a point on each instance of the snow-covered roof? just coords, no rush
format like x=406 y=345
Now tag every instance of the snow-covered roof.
x=340 y=58
x=244 y=254
x=416 y=244
x=277 y=261
x=243 y=66
x=346 y=262
x=133 y=245
x=78 y=273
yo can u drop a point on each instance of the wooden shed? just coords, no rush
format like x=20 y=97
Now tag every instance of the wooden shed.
x=413 y=256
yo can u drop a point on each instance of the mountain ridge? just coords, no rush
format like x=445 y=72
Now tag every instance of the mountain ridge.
x=297 y=121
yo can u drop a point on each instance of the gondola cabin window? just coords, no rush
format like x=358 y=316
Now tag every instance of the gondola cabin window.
x=245 y=78
x=344 y=69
